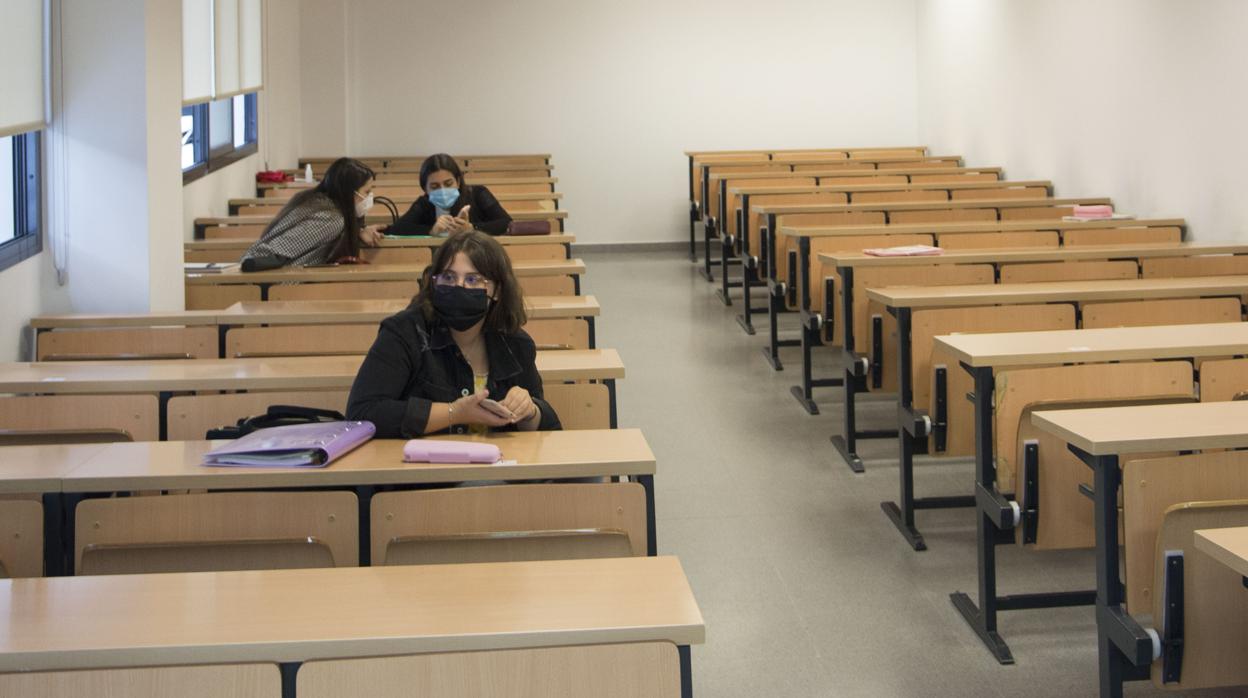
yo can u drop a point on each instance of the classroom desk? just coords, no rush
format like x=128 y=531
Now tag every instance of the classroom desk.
x=1099 y=437
x=288 y=373
x=738 y=246
x=401 y=201
x=370 y=272
x=313 y=312
x=982 y=354
x=262 y=188
x=232 y=249
x=289 y=617
x=166 y=465
x=1226 y=545
x=704 y=211
x=901 y=301
x=781 y=287
x=40 y=470
x=372 y=219
x=813 y=321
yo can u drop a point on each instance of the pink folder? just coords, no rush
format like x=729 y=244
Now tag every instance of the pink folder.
x=308 y=445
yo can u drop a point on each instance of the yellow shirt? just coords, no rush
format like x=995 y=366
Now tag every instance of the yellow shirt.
x=478 y=384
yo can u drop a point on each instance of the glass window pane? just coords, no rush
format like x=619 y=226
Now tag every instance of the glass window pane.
x=188 y=136
x=220 y=125
x=8 y=192
x=240 y=121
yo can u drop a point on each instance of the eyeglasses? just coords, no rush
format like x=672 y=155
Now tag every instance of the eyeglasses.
x=450 y=278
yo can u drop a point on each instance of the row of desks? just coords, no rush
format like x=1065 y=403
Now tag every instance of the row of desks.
x=273 y=313
x=291 y=617
x=64 y=475
x=165 y=378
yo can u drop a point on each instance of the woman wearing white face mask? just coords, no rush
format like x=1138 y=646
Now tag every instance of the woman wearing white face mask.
x=449 y=206
x=320 y=225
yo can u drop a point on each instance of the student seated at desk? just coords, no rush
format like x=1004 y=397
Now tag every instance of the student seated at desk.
x=458 y=343
x=450 y=206
x=322 y=224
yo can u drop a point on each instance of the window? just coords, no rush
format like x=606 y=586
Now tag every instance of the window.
x=21 y=198
x=215 y=134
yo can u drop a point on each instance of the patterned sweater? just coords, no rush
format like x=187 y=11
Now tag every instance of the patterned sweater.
x=306 y=235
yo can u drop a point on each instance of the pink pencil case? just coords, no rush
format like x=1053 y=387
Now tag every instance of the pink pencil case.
x=434 y=451
x=1098 y=211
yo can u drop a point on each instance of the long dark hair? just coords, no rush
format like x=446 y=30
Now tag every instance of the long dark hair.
x=506 y=314
x=442 y=161
x=340 y=182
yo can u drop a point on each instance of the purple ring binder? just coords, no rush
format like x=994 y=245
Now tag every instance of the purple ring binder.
x=312 y=445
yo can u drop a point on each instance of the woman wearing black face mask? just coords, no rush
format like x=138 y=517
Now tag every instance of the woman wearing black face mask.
x=458 y=343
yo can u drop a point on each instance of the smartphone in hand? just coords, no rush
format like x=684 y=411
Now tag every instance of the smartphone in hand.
x=498 y=409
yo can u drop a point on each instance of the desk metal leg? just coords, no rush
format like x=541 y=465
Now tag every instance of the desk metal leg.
x=611 y=400
x=709 y=230
x=995 y=522
x=775 y=303
x=576 y=284
x=725 y=248
x=593 y=335
x=53 y=526
x=846 y=444
x=749 y=280
x=69 y=501
x=686 y=671
x=364 y=504
x=652 y=543
x=913 y=427
x=810 y=335
x=290 y=675
x=1125 y=649
x=163 y=417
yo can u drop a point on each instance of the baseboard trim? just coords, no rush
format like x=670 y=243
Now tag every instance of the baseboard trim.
x=654 y=246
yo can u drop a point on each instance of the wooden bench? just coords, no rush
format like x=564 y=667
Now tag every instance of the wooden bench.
x=1196 y=606
x=534 y=627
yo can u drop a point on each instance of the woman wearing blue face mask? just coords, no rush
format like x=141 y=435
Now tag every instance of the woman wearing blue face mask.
x=449 y=206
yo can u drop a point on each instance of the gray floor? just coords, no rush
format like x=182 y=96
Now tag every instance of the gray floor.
x=806 y=588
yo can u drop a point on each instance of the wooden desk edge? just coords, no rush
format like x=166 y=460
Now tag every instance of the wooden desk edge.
x=1217 y=551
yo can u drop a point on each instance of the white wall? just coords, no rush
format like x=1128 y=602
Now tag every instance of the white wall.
x=615 y=91
x=1139 y=100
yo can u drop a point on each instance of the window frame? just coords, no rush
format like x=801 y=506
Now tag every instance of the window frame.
x=214 y=160
x=27 y=199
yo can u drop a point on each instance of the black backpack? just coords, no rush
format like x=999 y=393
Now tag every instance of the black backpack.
x=276 y=416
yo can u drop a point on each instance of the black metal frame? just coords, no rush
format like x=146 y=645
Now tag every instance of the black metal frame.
x=777 y=291
x=854 y=382
x=995 y=522
x=750 y=266
x=1125 y=649
x=812 y=324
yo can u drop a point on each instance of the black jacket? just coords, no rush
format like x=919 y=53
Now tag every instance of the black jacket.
x=486 y=214
x=414 y=363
